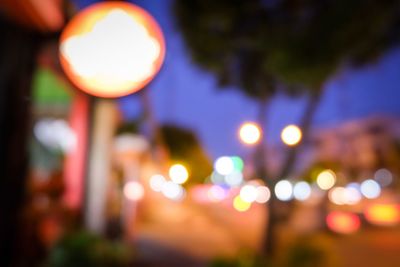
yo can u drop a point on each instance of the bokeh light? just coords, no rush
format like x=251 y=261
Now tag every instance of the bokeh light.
x=250 y=133
x=178 y=173
x=343 y=222
x=173 y=191
x=337 y=195
x=383 y=214
x=370 y=189
x=111 y=49
x=384 y=177
x=348 y=195
x=234 y=179
x=55 y=134
x=301 y=191
x=240 y=205
x=326 y=179
x=354 y=185
x=353 y=194
x=248 y=193
x=291 y=135
x=133 y=191
x=217 y=178
x=284 y=190
x=263 y=194
x=216 y=193
x=157 y=182
x=237 y=163
x=224 y=165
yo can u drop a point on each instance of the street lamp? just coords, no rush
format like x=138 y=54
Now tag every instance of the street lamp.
x=250 y=133
x=291 y=135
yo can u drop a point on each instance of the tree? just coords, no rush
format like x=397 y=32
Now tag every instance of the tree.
x=184 y=146
x=291 y=45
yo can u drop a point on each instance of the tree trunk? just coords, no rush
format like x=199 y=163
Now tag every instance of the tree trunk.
x=17 y=52
x=260 y=153
x=269 y=246
x=305 y=126
x=262 y=172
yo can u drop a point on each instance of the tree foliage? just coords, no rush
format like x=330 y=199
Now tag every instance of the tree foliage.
x=184 y=147
x=227 y=38
x=258 y=45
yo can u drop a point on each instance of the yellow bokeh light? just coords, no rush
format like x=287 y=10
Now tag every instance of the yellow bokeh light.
x=250 y=133
x=178 y=173
x=240 y=205
x=326 y=179
x=291 y=135
x=383 y=214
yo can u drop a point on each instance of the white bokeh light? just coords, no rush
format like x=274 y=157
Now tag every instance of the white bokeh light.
x=301 y=191
x=224 y=165
x=157 y=182
x=284 y=190
x=353 y=195
x=173 y=191
x=337 y=195
x=248 y=193
x=234 y=179
x=133 y=191
x=349 y=195
x=370 y=189
x=55 y=134
x=263 y=194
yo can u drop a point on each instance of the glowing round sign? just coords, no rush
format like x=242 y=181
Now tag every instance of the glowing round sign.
x=111 y=49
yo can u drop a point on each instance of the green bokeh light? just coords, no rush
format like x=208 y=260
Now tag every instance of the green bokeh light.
x=238 y=163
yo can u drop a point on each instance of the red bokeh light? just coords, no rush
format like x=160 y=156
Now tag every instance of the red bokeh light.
x=343 y=222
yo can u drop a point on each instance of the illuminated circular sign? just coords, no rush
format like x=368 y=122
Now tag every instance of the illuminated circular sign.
x=111 y=49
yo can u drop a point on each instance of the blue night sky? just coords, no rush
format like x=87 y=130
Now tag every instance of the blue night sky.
x=186 y=95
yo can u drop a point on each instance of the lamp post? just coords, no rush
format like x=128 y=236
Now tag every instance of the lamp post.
x=250 y=133
x=108 y=50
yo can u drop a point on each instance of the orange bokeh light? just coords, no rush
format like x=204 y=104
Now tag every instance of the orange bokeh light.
x=343 y=222
x=383 y=214
x=111 y=49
